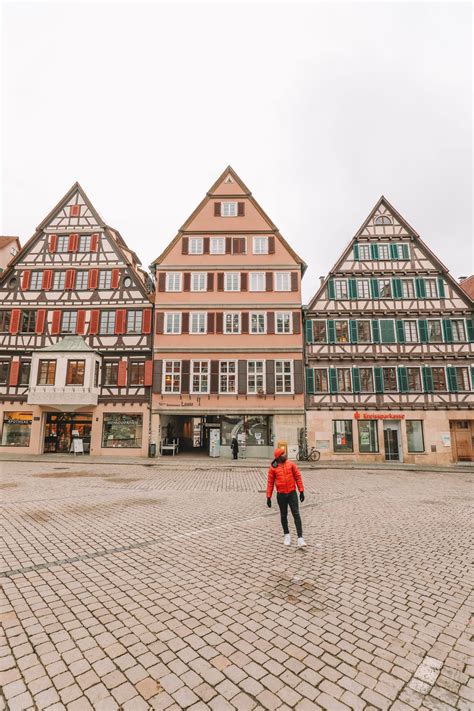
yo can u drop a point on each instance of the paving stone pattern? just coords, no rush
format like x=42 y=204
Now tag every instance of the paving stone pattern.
x=138 y=587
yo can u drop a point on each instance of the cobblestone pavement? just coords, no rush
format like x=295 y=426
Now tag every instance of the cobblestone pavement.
x=164 y=588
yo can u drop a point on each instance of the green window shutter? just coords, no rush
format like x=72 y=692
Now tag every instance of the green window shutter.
x=375 y=331
x=420 y=287
x=331 y=332
x=405 y=251
x=353 y=331
x=378 y=376
x=310 y=381
x=352 y=289
x=387 y=331
x=374 y=251
x=427 y=379
x=355 y=380
x=402 y=379
x=393 y=251
x=423 y=330
x=331 y=292
x=397 y=288
x=472 y=377
x=309 y=331
x=400 y=332
x=356 y=253
x=447 y=330
x=374 y=287
x=452 y=379
x=441 y=292
x=332 y=380
x=470 y=329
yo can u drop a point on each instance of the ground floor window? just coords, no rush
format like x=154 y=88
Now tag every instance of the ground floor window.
x=250 y=430
x=342 y=436
x=415 y=436
x=368 y=436
x=122 y=430
x=16 y=430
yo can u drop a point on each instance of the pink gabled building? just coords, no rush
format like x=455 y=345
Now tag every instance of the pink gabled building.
x=228 y=347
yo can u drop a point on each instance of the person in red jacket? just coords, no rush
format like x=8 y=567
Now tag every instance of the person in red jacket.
x=286 y=477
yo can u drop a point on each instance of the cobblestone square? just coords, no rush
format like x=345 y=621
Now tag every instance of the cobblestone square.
x=168 y=587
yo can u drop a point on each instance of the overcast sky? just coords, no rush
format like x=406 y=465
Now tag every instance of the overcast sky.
x=319 y=107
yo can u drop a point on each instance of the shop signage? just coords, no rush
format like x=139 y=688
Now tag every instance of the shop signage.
x=15 y=421
x=378 y=416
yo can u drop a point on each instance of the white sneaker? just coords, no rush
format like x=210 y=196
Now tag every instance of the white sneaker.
x=287 y=540
x=301 y=543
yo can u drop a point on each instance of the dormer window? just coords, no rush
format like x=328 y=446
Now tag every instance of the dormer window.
x=383 y=220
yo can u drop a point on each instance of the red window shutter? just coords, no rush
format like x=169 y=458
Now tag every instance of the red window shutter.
x=120 y=321
x=210 y=281
x=14 y=371
x=270 y=322
x=74 y=210
x=210 y=322
x=245 y=322
x=162 y=281
x=185 y=245
x=240 y=209
x=56 y=323
x=146 y=322
x=228 y=245
x=185 y=322
x=15 y=321
x=294 y=281
x=53 y=243
x=219 y=322
x=115 y=280
x=122 y=374
x=47 y=279
x=243 y=245
x=25 y=280
x=94 y=322
x=81 y=322
x=268 y=281
x=187 y=281
x=93 y=279
x=296 y=322
x=160 y=322
x=40 y=321
x=94 y=242
x=271 y=245
x=148 y=381
x=220 y=281
x=243 y=281
x=70 y=279
x=205 y=245
x=73 y=243
x=217 y=209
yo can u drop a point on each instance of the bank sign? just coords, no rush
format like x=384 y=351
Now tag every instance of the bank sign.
x=378 y=416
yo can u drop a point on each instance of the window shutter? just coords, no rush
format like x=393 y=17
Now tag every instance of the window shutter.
x=309 y=331
x=122 y=373
x=25 y=280
x=214 y=376
x=185 y=245
x=148 y=375
x=452 y=379
x=375 y=331
x=70 y=279
x=270 y=322
x=309 y=380
x=94 y=242
x=470 y=329
x=397 y=288
x=243 y=281
x=298 y=376
x=240 y=209
x=211 y=319
x=333 y=380
x=185 y=322
x=393 y=251
x=374 y=288
x=160 y=322
x=81 y=322
x=271 y=244
x=331 y=331
x=294 y=281
x=353 y=331
x=472 y=377
x=56 y=323
x=157 y=371
x=355 y=380
x=374 y=251
x=441 y=292
x=423 y=330
x=270 y=377
x=73 y=243
x=242 y=377
x=402 y=378
x=296 y=322
x=427 y=375
x=378 y=376
x=268 y=281
x=405 y=251
x=15 y=321
x=93 y=279
x=120 y=321
x=94 y=322
x=228 y=245
x=40 y=321
x=220 y=281
x=217 y=209
x=185 y=373
x=243 y=245
x=235 y=245
x=47 y=280
x=245 y=322
x=400 y=332
x=219 y=322
x=114 y=282
x=331 y=292
x=387 y=331
x=210 y=281
x=205 y=245
x=162 y=281
x=356 y=253
x=352 y=289
x=53 y=243
x=14 y=372
x=447 y=330
x=187 y=281
x=420 y=288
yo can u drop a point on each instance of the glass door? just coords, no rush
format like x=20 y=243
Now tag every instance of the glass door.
x=390 y=437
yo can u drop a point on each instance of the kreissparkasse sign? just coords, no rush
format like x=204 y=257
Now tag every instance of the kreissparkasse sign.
x=378 y=416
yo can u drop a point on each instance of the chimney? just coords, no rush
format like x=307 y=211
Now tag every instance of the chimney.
x=321 y=280
x=461 y=279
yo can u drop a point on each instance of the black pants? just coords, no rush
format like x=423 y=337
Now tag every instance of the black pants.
x=292 y=500
x=235 y=454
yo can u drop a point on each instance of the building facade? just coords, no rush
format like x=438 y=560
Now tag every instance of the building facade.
x=389 y=352
x=9 y=248
x=75 y=338
x=228 y=358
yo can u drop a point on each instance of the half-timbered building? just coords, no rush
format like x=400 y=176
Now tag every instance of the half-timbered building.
x=229 y=346
x=389 y=352
x=75 y=338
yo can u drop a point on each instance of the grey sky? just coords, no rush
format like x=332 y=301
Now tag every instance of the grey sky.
x=320 y=108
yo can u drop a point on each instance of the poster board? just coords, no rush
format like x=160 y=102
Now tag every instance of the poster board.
x=77 y=446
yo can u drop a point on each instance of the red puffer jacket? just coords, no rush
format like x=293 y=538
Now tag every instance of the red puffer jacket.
x=286 y=477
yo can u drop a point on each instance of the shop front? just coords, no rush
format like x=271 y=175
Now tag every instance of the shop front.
x=62 y=428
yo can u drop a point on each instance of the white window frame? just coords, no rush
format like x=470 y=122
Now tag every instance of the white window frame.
x=324 y=322
x=84 y=279
x=260 y=245
x=60 y=274
x=229 y=208
x=260 y=275
x=71 y=317
x=364 y=285
x=199 y=314
x=290 y=322
x=214 y=241
x=81 y=247
x=384 y=248
x=174 y=371
x=321 y=370
x=196 y=245
x=191 y=377
x=420 y=379
x=410 y=323
x=109 y=317
x=413 y=293
x=62 y=245
x=351 y=384
x=364 y=249
x=171 y=278
x=438 y=320
x=346 y=321
x=341 y=286
x=176 y=319
x=36 y=276
x=226 y=375
x=286 y=286
x=283 y=375
x=258 y=314
x=202 y=277
x=463 y=326
x=433 y=287
x=239 y=322
x=231 y=276
x=385 y=281
x=264 y=377
x=363 y=320
x=367 y=367
x=105 y=279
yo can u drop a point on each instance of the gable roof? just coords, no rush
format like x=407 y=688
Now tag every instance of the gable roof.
x=68 y=344
x=467 y=285
x=6 y=239
x=244 y=192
